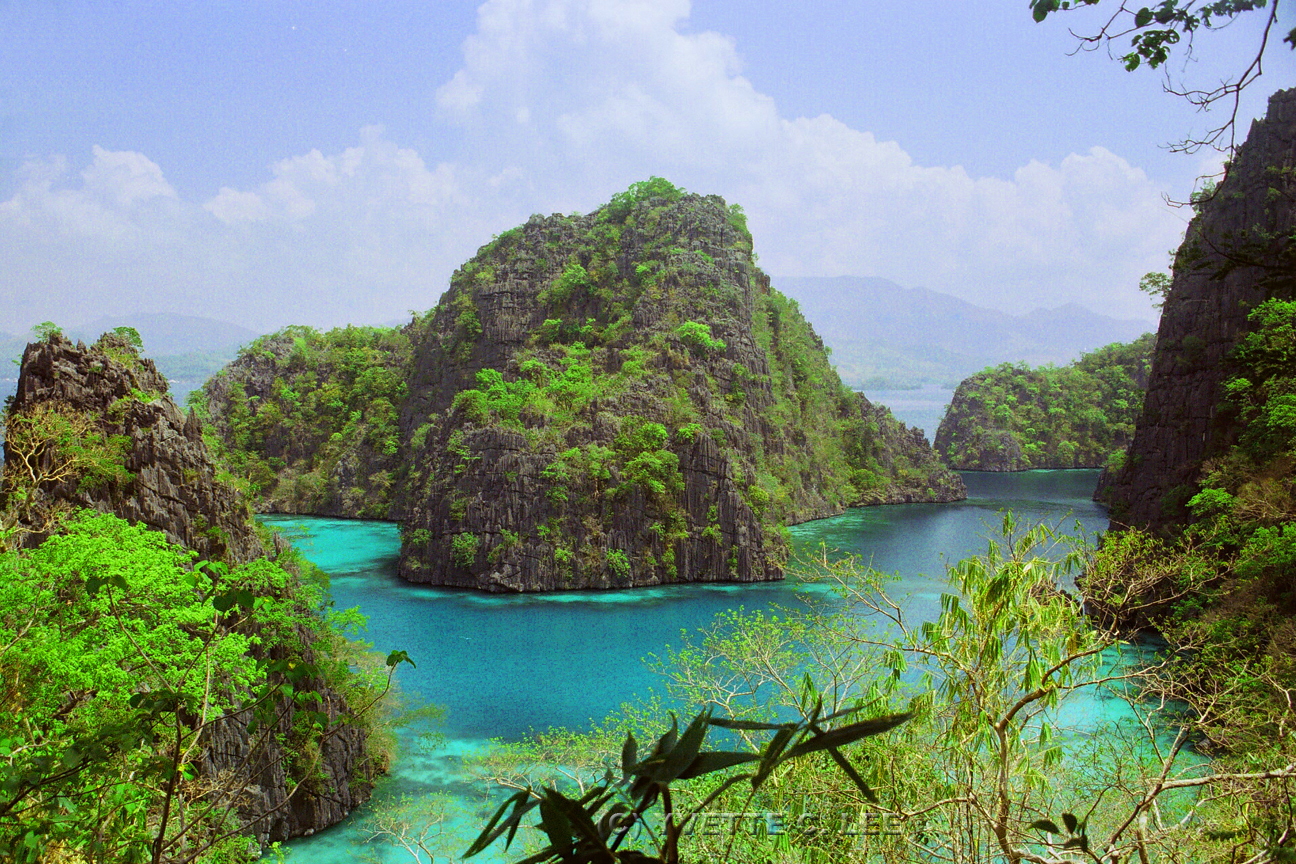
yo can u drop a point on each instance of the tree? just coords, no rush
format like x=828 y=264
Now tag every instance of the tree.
x=47 y=330
x=1156 y=286
x=989 y=766
x=1154 y=32
x=49 y=444
x=121 y=659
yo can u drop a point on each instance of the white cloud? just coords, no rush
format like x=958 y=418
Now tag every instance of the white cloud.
x=124 y=178
x=559 y=104
x=615 y=90
x=359 y=235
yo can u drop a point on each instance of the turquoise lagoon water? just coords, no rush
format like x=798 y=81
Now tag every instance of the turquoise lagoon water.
x=504 y=665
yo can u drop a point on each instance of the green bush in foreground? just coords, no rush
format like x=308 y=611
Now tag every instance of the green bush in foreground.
x=119 y=657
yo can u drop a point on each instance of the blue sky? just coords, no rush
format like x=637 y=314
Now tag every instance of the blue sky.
x=313 y=162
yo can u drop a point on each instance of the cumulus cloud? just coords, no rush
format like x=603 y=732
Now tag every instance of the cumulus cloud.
x=362 y=234
x=557 y=105
x=615 y=90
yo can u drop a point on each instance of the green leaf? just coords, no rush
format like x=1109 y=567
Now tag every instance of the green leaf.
x=629 y=752
x=1045 y=825
x=849 y=734
x=1143 y=17
x=748 y=725
x=684 y=752
x=396 y=658
x=1071 y=822
x=522 y=803
x=706 y=763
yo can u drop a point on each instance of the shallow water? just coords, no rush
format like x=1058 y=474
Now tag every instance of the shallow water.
x=503 y=665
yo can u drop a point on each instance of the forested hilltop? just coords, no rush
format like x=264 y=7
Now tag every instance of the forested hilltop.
x=598 y=401
x=171 y=689
x=1016 y=418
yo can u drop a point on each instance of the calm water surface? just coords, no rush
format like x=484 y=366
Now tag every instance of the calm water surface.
x=503 y=665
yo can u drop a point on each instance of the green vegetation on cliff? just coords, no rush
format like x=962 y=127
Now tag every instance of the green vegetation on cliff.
x=621 y=398
x=597 y=401
x=308 y=419
x=1015 y=418
x=1203 y=546
x=154 y=706
x=1220 y=588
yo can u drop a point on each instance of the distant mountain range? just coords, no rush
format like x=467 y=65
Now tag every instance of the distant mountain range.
x=884 y=336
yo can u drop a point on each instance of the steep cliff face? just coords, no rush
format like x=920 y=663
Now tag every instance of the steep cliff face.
x=621 y=399
x=309 y=418
x=172 y=484
x=1015 y=418
x=104 y=412
x=1238 y=252
x=598 y=401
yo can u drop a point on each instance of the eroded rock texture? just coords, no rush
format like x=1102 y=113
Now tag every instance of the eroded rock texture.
x=174 y=487
x=1236 y=254
x=598 y=401
x=621 y=399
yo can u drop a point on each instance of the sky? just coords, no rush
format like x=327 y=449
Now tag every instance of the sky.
x=268 y=162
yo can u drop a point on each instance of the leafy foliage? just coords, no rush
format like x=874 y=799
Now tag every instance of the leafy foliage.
x=593 y=826
x=633 y=350
x=121 y=657
x=1015 y=418
x=1157 y=30
x=51 y=444
x=299 y=402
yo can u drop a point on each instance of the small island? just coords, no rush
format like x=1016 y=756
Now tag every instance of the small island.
x=1016 y=418
x=600 y=401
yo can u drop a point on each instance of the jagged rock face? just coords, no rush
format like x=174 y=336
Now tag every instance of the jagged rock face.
x=174 y=488
x=309 y=419
x=344 y=778
x=1236 y=254
x=621 y=399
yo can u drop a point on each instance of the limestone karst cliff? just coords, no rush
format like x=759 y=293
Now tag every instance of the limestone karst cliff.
x=598 y=401
x=1238 y=252
x=1017 y=418
x=93 y=427
x=170 y=480
x=622 y=399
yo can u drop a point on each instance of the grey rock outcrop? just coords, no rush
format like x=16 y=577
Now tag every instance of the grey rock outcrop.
x=174 y=487
x=1237 y=253
x=652 y=322
x=601 y=401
